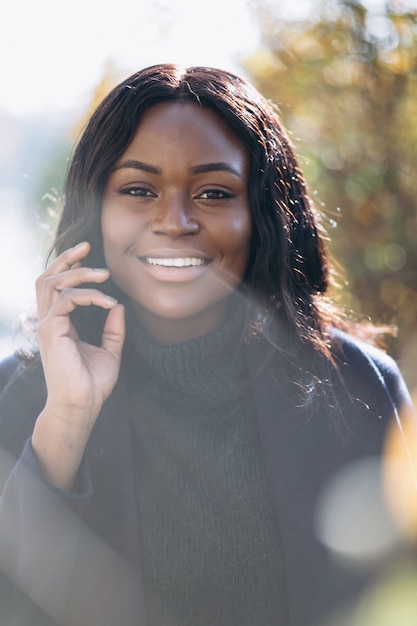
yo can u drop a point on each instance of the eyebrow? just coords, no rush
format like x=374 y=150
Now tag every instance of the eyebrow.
x=221 y=166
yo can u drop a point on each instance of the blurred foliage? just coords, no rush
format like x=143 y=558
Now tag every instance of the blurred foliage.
x=345 y=80
x=110 y=78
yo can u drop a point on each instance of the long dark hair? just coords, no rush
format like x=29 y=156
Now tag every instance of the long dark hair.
x=288 y=271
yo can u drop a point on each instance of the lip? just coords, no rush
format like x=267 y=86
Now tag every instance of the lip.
x=175 y=262
x=173 y=258
x=171 y=253
x=170 y=265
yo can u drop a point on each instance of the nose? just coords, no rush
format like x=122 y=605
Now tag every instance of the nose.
x=174 y=217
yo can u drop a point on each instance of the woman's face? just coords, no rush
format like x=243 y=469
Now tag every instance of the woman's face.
x=176 y=220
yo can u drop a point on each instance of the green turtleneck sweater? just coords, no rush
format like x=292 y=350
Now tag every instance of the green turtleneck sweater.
x=210 y=544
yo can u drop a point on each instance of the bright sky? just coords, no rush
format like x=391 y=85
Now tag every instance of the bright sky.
x=53 y=52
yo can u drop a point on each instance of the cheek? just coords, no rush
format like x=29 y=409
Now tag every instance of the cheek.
x=115 y=233
x=107 y=228
x=241 y=237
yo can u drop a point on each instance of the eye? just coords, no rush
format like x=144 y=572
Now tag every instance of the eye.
x=214 y=194
x=137 y=192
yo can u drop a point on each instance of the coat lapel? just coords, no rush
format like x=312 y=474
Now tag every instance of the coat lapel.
x=302 y=449
x=113 y=509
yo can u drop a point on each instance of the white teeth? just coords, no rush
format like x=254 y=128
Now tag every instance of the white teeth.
x=184 y=262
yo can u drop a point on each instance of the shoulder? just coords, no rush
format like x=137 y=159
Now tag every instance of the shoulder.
x=22 y=396
x=9 y=369
x=371 y=369
x=15 y=368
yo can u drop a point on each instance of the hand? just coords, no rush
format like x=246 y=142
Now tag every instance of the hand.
x=79 y=376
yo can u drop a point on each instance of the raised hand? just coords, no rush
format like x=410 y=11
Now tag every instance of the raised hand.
x=79 y=376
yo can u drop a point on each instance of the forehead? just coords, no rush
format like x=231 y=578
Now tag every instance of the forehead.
x=186 y=127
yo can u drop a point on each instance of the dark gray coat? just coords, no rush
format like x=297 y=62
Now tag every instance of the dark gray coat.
x=78 y=555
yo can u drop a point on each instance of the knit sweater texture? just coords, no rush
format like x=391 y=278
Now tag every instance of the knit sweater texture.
x=210 y=542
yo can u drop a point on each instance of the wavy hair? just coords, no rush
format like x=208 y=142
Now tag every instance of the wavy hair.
x=288 y=270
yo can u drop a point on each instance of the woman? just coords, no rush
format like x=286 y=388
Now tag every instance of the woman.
x=194 y=390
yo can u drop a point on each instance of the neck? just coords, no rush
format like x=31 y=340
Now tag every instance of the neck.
x=170 y=331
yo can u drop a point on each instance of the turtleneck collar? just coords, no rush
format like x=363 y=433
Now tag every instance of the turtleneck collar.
x=206 y=367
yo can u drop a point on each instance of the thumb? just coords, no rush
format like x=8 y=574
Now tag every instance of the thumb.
x=114 y=331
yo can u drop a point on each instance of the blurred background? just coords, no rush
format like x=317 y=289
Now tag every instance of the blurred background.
x=343 y=73
x=344 y=76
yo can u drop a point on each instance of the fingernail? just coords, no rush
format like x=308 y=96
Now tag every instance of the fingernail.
x=111 y=299
x=79 y=245
x=101 y=270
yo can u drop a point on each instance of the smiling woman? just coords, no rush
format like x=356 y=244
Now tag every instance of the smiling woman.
x=193 y=390
x=176 y=225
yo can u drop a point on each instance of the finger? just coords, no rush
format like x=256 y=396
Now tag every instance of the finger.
x=69 y=299
x=65 y=261
x=52 y=286
x=75 y=277
x=114 y=332
x=68 y=258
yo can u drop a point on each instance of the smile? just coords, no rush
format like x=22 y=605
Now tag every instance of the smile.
x=179 y=262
